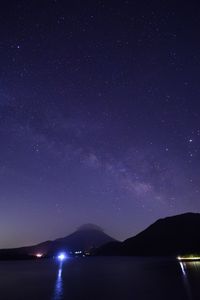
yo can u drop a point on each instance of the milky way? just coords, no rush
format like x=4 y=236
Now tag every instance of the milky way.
x=99 y=116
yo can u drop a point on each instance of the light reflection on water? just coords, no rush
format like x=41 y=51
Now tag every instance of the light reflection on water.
x=193 y=265
x=58 y=290
x=186 y=267
x=185 y=279
x=120 y=278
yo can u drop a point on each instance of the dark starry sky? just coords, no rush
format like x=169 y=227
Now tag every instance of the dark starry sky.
x=99 y=115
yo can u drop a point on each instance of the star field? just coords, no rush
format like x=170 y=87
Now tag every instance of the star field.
x=99 y=116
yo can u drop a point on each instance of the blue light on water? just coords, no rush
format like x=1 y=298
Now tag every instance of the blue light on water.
x=58 y=291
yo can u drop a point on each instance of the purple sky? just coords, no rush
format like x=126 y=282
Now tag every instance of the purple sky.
x=99 y=116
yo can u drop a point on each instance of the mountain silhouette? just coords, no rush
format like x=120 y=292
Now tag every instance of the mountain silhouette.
x=85 y=238
x=174 y=235
x=171 y=236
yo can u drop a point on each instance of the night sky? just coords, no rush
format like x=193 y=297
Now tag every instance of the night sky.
x=99 y=116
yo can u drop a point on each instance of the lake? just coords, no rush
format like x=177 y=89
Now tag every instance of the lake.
x=100 y=278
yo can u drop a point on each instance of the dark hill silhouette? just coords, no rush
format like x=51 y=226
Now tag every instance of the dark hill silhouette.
x=86 y=237
x=174 y=235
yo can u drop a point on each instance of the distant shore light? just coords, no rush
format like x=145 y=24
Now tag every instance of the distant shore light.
x=39 y=255
x=188 y=258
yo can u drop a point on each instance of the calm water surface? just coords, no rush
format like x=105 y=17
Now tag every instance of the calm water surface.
x=117 y=278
